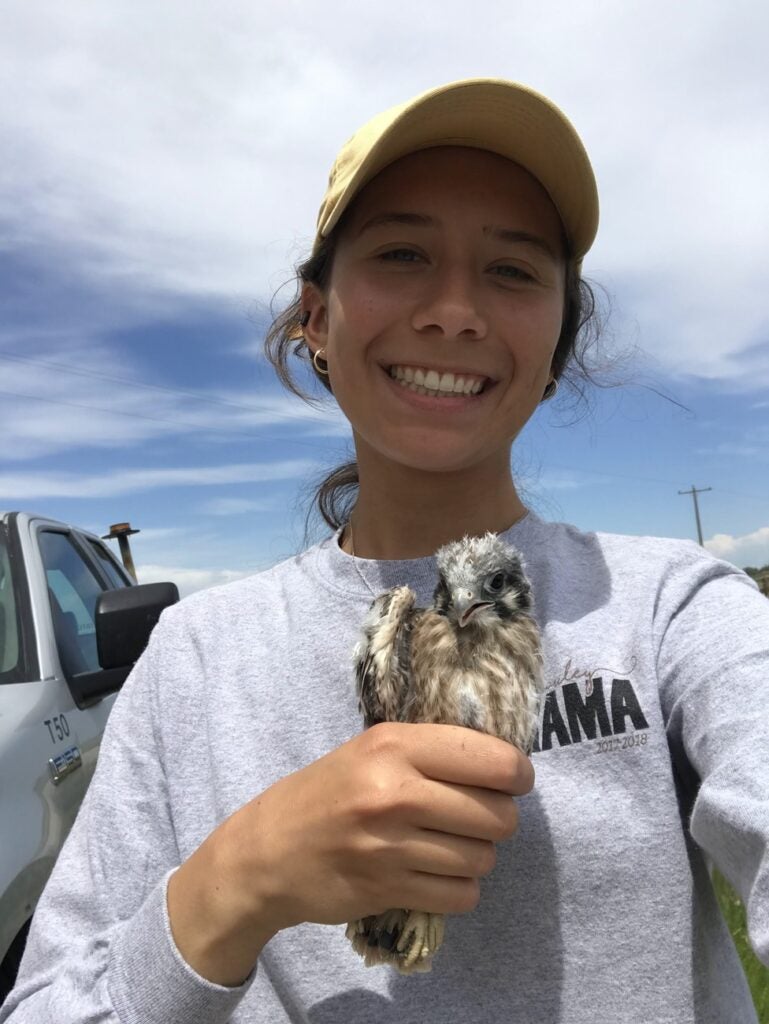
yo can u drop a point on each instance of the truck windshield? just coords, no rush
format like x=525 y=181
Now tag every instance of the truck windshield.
x=9 y=621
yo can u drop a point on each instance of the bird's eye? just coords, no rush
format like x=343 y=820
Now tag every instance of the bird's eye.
x=496 y=583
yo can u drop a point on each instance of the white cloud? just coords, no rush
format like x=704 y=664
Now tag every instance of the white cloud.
x=751 y=443
x=561 y=480
x=742 y=451
x=188 y=580
x=29 y=485
x=160 y=533
x=183 y=149
x=235 y=506
x=93 y=400
x=749 y=549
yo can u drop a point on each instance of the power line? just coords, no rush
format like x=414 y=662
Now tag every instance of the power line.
x=649 y=480
x=202 y=397
x=312 y=444
x=160 y=419
x=614 y=476
x=199 y=396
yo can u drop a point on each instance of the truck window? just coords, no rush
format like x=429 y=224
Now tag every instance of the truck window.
x=114 y=572
x=72 y=590
x=9 y=621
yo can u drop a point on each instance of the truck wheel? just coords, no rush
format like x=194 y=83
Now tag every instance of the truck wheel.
x=10 y=966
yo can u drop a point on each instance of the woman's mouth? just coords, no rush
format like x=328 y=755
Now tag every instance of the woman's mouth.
x=437 y=383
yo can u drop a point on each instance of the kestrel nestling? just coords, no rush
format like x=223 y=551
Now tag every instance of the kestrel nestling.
x=472 y=658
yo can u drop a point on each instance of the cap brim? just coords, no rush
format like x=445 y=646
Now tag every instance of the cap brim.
x=499 y=116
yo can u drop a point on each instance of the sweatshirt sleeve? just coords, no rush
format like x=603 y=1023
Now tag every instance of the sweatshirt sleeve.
x=714 y=673
x=100 y=948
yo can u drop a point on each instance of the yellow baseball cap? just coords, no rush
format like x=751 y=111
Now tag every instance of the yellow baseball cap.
x=484 y=113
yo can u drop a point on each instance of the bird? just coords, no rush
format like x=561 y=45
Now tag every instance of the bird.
x=472 y=658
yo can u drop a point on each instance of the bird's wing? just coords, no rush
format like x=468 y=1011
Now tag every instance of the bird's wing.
x=383 y=654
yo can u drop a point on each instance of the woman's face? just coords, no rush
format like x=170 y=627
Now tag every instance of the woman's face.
x=448 y=274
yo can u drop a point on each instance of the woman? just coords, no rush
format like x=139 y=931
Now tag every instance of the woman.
x=237 y=810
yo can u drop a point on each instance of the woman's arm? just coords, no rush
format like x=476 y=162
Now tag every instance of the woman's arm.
x=100 y=946
x=714 y=671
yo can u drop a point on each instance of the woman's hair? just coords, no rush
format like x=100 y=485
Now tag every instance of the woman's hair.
x=335 y=496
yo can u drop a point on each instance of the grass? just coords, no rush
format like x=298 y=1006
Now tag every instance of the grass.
x=757 y=974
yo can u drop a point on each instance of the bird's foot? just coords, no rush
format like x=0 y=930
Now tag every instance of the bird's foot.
x=421 y=938
x=376 y=937
x=405 y=939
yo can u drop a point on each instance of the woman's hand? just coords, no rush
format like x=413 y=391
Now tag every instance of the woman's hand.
x=400 y=816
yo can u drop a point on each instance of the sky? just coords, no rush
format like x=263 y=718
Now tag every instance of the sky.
x=162 y=169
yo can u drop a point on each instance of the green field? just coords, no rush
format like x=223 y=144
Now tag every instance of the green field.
x=758 y=975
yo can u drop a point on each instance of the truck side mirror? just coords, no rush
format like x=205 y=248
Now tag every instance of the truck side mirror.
x=125 y=618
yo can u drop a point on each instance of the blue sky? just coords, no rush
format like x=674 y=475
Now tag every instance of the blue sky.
x=164 y=174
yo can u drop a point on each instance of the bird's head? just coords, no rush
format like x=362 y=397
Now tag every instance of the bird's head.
x=481 y=580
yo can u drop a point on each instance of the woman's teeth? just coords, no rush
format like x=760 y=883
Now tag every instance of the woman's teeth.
x=430 y=382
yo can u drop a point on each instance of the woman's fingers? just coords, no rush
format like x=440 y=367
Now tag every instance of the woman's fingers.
x=414 y=806
x=399 y=816
x=451 y=753
x=439 y=894
x=438 y=853
x=460 y=810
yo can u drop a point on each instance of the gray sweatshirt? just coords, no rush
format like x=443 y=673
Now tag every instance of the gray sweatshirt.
x=652 y=758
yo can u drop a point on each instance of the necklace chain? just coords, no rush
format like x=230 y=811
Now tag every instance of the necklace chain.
x=355 y=560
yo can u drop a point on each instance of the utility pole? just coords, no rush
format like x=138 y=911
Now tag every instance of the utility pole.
x=694 y=492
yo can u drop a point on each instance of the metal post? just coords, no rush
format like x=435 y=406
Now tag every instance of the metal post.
x=121 y=532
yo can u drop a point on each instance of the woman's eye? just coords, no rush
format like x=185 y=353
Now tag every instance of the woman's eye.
x=512 y=272
x=400 y=256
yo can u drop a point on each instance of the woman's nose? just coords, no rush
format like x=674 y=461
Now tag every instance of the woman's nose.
x=450 y=305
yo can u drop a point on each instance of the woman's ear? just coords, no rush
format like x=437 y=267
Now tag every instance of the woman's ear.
x=314 y=317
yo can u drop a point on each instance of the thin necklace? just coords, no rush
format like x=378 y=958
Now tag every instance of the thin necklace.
x=355 y=561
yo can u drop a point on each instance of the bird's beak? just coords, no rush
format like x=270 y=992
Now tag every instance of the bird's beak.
x=466 y=606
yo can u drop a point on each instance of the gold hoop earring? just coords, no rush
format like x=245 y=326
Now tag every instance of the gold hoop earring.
x=550 y=390
x=320 y=364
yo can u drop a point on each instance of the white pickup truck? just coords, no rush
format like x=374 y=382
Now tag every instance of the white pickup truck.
x=72 y=623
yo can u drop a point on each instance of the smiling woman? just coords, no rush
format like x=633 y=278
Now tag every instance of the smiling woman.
x=450 y=245
x=441 y=290
x=237 y=807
